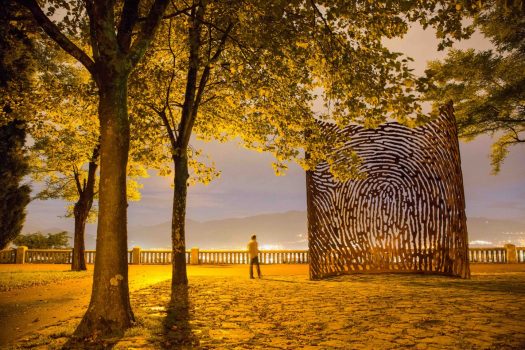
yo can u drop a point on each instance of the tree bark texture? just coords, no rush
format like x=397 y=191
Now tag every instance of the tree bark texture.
x=78 y=262
x=179 y=275
x=109 y=312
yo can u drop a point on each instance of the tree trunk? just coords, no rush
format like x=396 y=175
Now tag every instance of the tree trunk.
x=86 y=194
x=180 y=155
x=178 y=223
x=109 y=313
x=79 y=262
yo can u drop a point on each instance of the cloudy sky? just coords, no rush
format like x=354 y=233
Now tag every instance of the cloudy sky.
x=248 y=185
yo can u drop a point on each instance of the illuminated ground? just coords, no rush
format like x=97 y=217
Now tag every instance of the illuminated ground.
x=286 y=310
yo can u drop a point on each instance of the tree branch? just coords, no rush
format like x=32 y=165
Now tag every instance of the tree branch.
x=202 y=85
x=148 y=31
x=53 y=192
x=214 y=26
x=89 y=187
x=130 y=14
x=325 y=22
x=194 y=33
x=209 y=99
x=54 y=33
x=77 y=181
x=170 y=132
x=222 y=43
x=92 y=30
x=170 y=15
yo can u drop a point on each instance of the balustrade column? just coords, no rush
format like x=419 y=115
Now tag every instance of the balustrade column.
x=135 y=256
x=21 y=254
x=194 y=258
x=512 y=256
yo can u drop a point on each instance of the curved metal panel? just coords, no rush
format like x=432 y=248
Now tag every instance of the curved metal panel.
x=408 y=215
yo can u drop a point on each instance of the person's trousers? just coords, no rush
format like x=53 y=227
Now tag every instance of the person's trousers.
x=256 y=262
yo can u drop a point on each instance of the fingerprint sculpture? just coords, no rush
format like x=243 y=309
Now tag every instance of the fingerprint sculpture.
x=407 y=215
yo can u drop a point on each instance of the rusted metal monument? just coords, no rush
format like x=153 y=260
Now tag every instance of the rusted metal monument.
x=407 y=215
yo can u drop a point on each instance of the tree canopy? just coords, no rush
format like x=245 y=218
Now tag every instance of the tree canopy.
x=487 y=87
x=262 y=65
x=16 y=62
x=14 y=196
x=38 y=240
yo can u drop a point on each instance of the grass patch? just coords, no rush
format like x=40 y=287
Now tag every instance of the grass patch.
x=23 y=279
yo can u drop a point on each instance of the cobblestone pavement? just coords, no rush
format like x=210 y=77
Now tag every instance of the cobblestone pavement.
x=349 y=312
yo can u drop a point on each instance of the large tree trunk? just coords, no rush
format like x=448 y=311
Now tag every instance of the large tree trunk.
x=178 y=223
x=109 y=312
x=114 y=54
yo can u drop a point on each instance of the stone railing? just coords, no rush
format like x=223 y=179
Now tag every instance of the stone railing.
x=508 y=254
x=241 y=257
x=153 y=257
x=8 y=256
x=48 y=256
x=488 y=255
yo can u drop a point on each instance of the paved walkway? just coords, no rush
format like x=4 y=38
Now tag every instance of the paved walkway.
x=222 y=309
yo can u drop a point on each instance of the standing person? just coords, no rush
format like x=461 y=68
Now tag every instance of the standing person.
x=253 y=251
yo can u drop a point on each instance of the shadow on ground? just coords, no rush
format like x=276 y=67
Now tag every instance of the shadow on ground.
x=176 y=325
x=505 y=283
x=477 y=284
x=280 y=280
x=75 y=341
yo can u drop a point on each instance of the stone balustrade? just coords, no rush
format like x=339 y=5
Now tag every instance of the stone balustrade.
x=488 y=255
x=21 y=255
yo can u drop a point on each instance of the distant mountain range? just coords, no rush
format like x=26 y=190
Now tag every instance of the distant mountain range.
x=277 y=231
x=286 y=230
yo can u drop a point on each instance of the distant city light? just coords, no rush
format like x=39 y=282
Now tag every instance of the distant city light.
x=271 y=247
x=481 y=243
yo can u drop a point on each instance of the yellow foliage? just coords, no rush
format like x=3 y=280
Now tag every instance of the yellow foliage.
x=302 y=45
